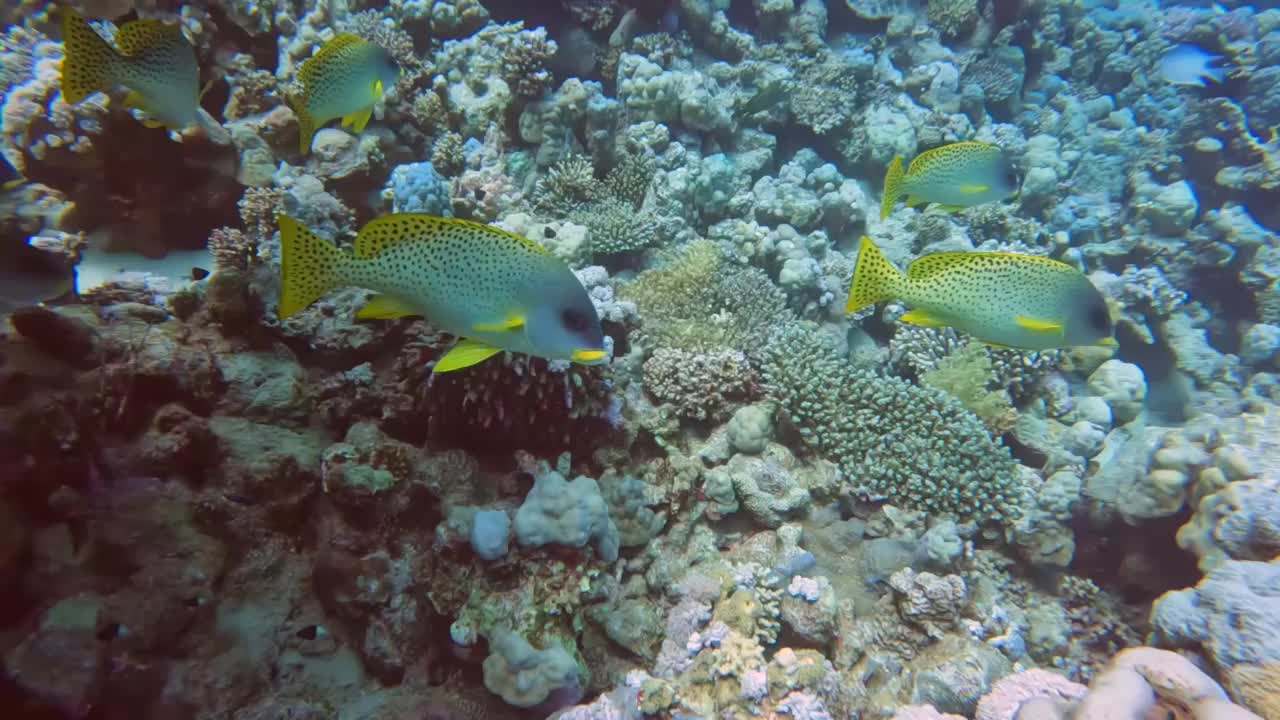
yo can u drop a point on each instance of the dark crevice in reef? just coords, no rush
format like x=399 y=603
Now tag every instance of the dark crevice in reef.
x=1139 y=563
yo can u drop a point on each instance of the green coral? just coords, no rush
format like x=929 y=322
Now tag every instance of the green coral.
x=615 y=227
x=699 y=302
x=629 y=180
x=916 y=446
x=965 y=375
x=954 y=18
x=567 y=186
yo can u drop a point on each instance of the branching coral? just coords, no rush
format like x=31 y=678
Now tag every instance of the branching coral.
x=524 y=63
x=965 y=375
x=699 y=302
x=827 y=96
x=567 y=186
x=521 y=402
x=629 y=180
x=700 y=386
x=916 y=446
x=615 y=227
x=446 y=154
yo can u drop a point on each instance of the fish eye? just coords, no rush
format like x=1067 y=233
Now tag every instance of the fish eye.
x=1100 y=319
x=574 y=320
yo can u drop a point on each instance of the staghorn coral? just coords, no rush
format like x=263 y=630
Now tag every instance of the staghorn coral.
x=629 y=180
x=567 y=186
x=915 y=446
x=615 y=227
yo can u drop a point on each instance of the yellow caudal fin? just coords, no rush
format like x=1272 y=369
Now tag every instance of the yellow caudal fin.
x=310 y=266
x=466 y=353
x=892 y=186
x=875 y=279
x=89 y=63
x=306 y=123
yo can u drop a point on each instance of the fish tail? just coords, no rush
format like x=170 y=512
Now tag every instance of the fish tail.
x=88 y=63
x=892 y=186
x=306 y=123
x=875 y=279
x=310 y=266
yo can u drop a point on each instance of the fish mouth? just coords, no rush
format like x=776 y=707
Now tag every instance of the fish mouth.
x=587 y=356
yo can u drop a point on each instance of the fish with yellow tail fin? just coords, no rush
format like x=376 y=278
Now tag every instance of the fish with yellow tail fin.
x=342 y=80
x=958 y=175
x=1005 y=299
x=151 y=58
x=496 y=290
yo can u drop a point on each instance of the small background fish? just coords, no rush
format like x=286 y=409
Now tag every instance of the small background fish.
x=958 y=175
x=152 y=59
x=1191 y=65
x=343 y=79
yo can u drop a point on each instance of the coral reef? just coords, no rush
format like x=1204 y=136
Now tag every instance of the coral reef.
x=755 y=505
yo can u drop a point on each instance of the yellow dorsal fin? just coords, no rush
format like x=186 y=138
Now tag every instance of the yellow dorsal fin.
x=380 y=233
x=1038 y=325
x=921 y=318
x=385 y=307
x=511 y=322
x=466 y=353
x=139 y=36
x=929 y=265
x=312 y=65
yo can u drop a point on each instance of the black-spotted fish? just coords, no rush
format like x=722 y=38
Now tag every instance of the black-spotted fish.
x=1005 y=299
x=958 y=175
x=342 y=80
x=496 y=290
x=151 y=58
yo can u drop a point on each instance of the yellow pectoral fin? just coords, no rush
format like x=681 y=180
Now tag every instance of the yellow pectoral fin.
x=510 y=323
x=377 y=89
x=152 y=123
x=1038 y=325
x=951 y=208
x=587 y=357
x=134 y=99
x=913 y=200
x=921 y=318
x=358 y=119
x=466 y=353
x=385 y=307
x=974 y=189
